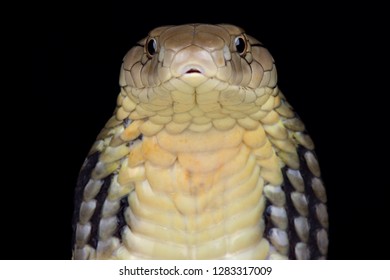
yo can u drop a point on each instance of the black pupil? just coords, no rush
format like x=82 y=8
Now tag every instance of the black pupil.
x=152 y=46
x=240 y=45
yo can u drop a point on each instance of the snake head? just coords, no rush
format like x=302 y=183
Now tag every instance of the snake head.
x=222 y=52
x=177 y=64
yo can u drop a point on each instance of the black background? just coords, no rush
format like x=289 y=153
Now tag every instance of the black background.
x=325 y=57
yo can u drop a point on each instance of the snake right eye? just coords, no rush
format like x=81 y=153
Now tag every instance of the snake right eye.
x=151 y=46
x=240 y=44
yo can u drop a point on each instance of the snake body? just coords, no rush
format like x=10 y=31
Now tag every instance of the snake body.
x=203 y=158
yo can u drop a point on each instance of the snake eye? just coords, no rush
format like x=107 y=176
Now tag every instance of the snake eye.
x=240 y=44
x=151 y=46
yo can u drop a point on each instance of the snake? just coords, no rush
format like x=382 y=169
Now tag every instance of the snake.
x=203 y=158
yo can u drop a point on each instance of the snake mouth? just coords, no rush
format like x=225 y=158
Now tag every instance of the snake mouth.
x=192 y=70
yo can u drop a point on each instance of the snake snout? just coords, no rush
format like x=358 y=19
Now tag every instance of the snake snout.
x=193 y=60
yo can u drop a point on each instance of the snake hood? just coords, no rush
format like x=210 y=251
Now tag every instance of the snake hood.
x=203 y=158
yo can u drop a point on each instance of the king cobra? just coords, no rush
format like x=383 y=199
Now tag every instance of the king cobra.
x=203 y=158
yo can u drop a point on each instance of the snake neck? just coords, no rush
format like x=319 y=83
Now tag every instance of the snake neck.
x=182 y=174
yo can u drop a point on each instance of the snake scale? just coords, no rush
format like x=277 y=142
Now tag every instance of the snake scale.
x=203 y=158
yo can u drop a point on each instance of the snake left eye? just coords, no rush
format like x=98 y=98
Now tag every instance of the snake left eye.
x=151 y=46
x=240 y=44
